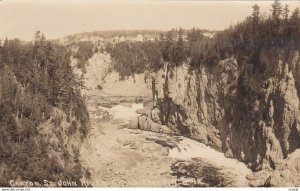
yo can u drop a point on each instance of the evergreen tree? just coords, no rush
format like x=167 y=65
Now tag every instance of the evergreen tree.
x=296 y=14
x=179 y=49
x=26 y=92
x=255 y=12
x=169 y=47
x=276 y=9
x=286 y=12
x=295 y=25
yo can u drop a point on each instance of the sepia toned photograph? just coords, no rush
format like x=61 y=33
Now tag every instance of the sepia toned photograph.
x=157 y=93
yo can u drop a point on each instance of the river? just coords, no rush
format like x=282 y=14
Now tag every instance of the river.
x=121 y=157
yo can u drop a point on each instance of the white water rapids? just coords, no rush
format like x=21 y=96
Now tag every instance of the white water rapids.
x=149 y=144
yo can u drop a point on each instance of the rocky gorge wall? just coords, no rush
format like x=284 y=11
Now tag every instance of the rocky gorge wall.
x=64 y=135
x=100 y=75
x=248 y=111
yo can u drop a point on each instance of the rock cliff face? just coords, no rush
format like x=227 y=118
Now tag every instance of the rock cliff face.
x=248 y=111
x=64 y=136
x=130 y=86
x=96 y=69
x=100 y=75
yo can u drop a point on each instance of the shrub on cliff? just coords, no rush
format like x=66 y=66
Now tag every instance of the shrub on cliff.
x=244 y=41
x=35 y=78
x=84 y=53
x=131 y=58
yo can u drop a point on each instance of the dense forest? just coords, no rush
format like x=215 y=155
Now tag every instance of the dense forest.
x=85 y=50
x=244 y=40
x=36 y=78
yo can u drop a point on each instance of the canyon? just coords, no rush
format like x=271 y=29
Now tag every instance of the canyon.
x=234 y=108
x=251 y=116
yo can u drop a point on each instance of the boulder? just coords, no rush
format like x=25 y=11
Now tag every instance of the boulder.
x=142 y=111
x=155 y=113
x=155 y=127
x=165 y=129
x=133 y=123
x=288 y=173
x=144 y=123
x=258 y=179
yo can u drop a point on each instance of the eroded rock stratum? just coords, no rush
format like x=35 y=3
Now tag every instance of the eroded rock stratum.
x=248 y=111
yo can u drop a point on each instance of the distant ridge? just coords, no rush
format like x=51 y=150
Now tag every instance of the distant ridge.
x=125 y=33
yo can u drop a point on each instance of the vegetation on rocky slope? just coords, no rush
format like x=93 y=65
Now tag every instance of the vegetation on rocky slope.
x=244 y=101
x=41 y=108
x=237 y=92
x=83 y=54
x=244 y=41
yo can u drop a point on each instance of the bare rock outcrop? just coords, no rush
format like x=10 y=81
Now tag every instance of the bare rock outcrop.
x=249 y=111
x=287 y=174
x=147 y=121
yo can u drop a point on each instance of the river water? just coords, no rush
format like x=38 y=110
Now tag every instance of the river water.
x=121 y=157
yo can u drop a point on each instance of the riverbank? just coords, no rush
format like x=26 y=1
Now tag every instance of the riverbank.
x=120 y=157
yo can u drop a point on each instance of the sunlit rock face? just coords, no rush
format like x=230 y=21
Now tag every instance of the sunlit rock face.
x=96 y=70
x=99 y=75
x=135 y=85
x=249 y=111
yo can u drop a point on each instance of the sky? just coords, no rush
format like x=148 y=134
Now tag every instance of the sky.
x=58 y=18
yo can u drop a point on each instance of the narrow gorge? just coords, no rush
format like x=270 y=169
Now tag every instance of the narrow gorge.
x=235 y=108
x=248 y=112
x=244 y=104
x=211 y=102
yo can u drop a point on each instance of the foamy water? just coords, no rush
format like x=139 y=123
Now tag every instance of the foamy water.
x=123 y=112
x=188 y=149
